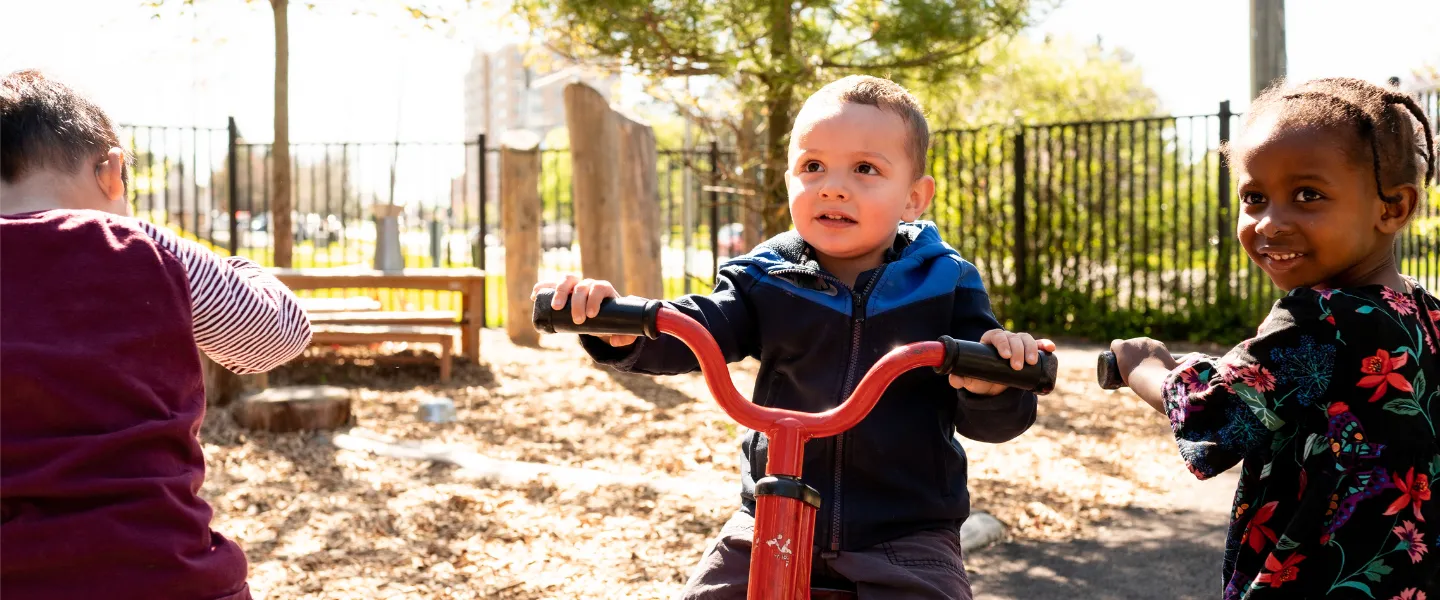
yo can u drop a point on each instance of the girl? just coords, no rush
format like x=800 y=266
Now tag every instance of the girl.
x=1331 y=405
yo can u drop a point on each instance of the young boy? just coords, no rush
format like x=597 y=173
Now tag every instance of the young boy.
x=818 y=306
x=100 y=384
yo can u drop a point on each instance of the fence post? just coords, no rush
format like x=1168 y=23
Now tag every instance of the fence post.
x=481 y=179
x=1022 y=241
x=1224 y=224
x=233 y=185
x=714 y=212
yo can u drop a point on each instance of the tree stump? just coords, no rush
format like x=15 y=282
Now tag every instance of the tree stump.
x=594 y=156
x=639 y=208
x=520 y=219
x=287 y=409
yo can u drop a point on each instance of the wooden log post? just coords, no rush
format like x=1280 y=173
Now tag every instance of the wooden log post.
x=594 y=156
x=520 y=219
x=639 y=208
x=223 y=387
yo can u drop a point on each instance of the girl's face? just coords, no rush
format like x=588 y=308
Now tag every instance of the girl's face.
x=1310 y=212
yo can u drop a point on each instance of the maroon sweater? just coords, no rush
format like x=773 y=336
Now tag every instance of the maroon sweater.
x=101 y=398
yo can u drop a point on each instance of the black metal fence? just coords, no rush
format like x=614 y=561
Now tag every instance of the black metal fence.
x=1095 y=229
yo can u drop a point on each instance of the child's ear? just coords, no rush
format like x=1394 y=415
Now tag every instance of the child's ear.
x=1395 y=215
x=110 y=176
x=921 y=193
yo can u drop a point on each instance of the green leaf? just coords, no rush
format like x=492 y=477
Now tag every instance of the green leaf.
x=1365 y=310
x=1403 y=406
x=1286 y=543
x=1403 y=350
x=1357 y=585
x=1419 y=385
x=1376 y=570
x=1256 y=401
x=1434 y=467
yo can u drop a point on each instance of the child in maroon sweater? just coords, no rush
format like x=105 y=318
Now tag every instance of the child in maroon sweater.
x=100 y=387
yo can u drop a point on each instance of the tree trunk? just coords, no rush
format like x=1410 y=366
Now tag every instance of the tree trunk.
x=750 y=157
x=520 y=219
x=594 y=153
x=779 y=92
x=281 y=230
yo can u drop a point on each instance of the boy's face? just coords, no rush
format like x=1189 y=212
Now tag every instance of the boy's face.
x=851 y=179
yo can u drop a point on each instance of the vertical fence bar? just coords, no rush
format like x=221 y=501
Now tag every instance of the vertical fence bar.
x=715 y=212
x=1022 y=252
x=1222 y=212
x=232 y=183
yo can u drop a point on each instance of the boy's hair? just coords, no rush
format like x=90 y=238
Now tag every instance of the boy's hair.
x=46 y=125
x=1381 y=118
x=889 y=96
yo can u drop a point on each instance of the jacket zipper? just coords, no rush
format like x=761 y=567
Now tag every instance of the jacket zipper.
x=859 y=302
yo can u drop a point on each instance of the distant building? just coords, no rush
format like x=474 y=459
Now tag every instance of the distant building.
x=503 y=93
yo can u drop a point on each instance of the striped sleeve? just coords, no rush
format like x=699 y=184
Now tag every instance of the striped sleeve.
x=244 y=318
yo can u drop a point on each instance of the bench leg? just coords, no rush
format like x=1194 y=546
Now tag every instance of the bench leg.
x=446 y=355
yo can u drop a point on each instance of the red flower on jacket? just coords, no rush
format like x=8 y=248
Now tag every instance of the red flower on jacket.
x=1277 y=572
x=1257 y=532
x=1414 y=489
x=1380 y=373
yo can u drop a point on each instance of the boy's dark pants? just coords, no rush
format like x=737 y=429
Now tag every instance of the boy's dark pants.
x=923 y=565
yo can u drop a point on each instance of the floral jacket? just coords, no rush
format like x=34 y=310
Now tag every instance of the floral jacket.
x=1330 y=406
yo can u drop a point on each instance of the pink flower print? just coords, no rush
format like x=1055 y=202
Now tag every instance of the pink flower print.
x=1194 y=383
x=1410 y=594
x=1400 y=303
x=1258 y=377
x=1411 y=540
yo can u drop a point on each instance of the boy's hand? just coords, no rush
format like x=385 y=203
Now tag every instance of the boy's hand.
x=585 y=297
x=1020 y=348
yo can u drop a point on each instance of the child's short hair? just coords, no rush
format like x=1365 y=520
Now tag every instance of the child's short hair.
x=885 y=95
x=1381 y=118
x=46 y=124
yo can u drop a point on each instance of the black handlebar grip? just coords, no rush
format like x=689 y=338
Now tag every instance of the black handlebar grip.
x=618 y=316
x=1107 y=371
x=972 y=359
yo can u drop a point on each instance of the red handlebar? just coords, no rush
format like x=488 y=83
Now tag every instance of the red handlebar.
x=785 y=459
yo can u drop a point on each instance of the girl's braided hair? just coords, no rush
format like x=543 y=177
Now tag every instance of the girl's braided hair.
x=1384 y=120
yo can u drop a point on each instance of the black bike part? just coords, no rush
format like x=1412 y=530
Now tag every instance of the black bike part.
x=617 y=316
x=789 y=487
x=1107 y=371
x=973 y=359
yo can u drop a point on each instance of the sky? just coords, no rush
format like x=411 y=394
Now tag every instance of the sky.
x=365 y=78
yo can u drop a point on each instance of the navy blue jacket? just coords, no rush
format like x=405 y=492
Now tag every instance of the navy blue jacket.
x=899 y=471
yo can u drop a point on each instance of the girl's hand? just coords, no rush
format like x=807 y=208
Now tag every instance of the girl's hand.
x=1131 y=353
x=585 y=297
x=1020 y=348
x=1143 y=365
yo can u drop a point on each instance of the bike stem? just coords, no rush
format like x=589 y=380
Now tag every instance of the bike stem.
x=784 y=507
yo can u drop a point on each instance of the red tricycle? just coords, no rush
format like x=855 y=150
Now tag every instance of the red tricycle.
x=784 y=506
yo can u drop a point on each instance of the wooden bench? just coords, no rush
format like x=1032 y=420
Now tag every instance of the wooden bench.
x=339 y=305
x=379 y=317
x=349 y=335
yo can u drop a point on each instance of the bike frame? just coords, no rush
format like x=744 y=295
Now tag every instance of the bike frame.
x=785 y=521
